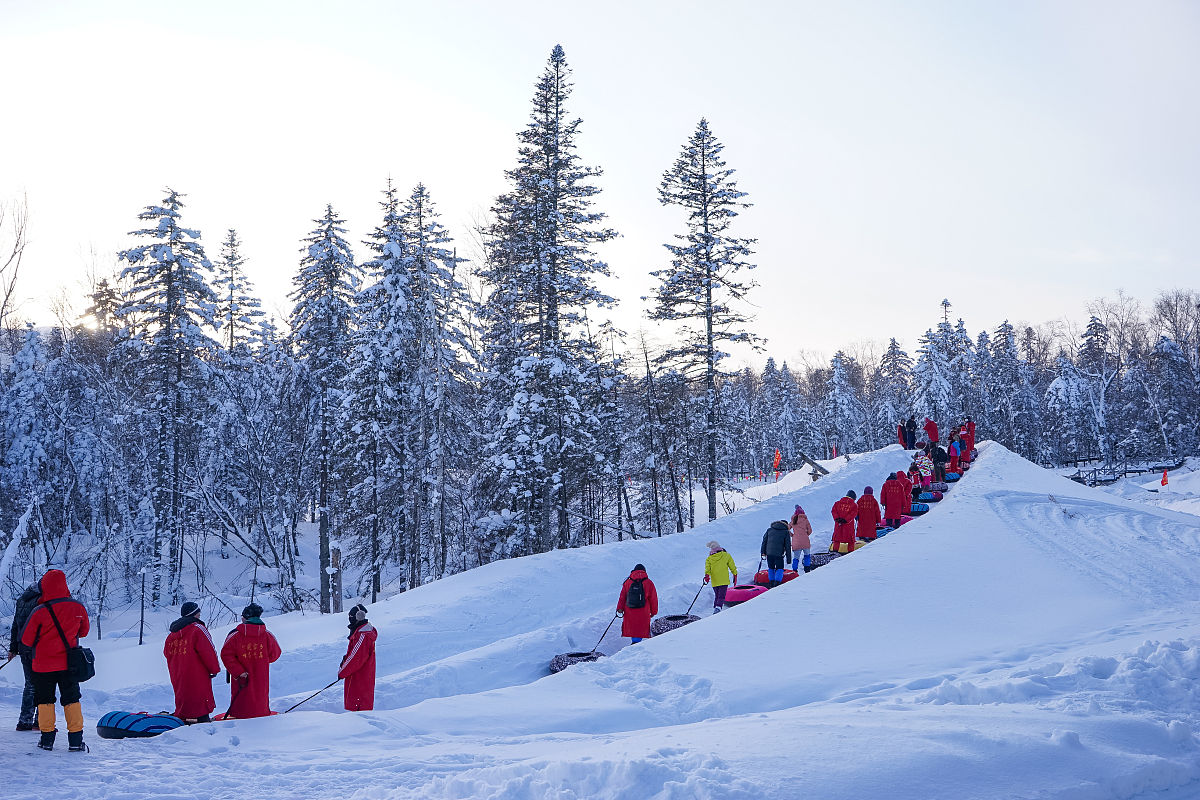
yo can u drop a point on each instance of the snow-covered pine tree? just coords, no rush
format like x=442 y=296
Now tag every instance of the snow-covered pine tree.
x=164 y=314
x=844 y=412
x=702 y=284
x=238 y=310
x=441 y=318
x=1099 y=368
x=933 y=388
x=542 y=271
x=892 y=390
x=321 y=321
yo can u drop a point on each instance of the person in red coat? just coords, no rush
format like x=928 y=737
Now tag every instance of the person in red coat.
x=970 y=438
x=931 y=430
x=358 y=665
x=892 y=494
x=868 y=514
x=50 y=658
x=845 y=512
x=905 y=481
x=636 y=623
x=248 y=653
x=900 y=434
x=192 y=663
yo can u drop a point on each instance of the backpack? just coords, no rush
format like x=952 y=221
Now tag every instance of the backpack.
x=636 y=596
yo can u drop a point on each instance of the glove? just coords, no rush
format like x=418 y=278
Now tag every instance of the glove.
x=839 y=521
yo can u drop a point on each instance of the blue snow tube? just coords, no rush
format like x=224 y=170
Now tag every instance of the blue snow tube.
x=880 y=532
x=918 y=509
x=951 y=477
x=139 y=725
x=929 y=497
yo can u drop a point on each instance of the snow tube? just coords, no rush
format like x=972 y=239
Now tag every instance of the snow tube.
x=661 y=625
x=743 y=592
x=930 y=497
x=905 y=518
x=135 y=725
x=821 y=559
x=951 y=477
x=919 y=508
x=939 y=486
x=842 y=549
x=881 y=532
x=760 y=577
x=564 y=660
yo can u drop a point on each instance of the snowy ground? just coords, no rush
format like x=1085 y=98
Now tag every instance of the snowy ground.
x=1028 y=638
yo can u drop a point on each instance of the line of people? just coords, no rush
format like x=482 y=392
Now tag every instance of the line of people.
x=48 y=622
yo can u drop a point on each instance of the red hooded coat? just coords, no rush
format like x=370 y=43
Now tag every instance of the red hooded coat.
x=892 y=494
x=49 y=652
x=931 y=430
x=358 y=669
x=637 y=620
x=192 y=662
x=906 y=480
x=900 y=434
x=251 y=648
x=868 y=516
x=843 y=533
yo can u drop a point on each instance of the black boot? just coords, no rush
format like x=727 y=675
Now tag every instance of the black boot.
x=75 y=742
x=47 y=740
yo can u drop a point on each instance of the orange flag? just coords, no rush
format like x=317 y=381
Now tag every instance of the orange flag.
x=778 y=458
x=1164 y=480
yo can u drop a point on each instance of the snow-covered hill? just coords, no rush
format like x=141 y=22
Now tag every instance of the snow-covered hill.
x=1029 y=637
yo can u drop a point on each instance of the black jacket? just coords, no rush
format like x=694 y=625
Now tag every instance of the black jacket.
x=26 y=603
x=777 y=541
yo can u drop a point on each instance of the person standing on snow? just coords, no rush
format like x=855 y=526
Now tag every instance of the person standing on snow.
x=931 y=431
x=192 y=663
x=906 y=480
x=955 y=452
x=358 y=665
x=56 y=610
x=801 y=539
x=868 y=515
x=910 y=434
x=925 y=466
x=638 y=602
x=24 y=607
x=720 y=569
x=939 y=456
x=893 y=494
x=845 y=512
x=777 y=550
x=248 y=653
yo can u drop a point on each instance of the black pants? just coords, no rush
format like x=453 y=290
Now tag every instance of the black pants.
x=775 y=562
x=28 y=706
x=44 y=684
x=893 y=523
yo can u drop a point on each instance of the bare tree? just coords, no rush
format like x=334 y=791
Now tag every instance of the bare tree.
x=14 y=236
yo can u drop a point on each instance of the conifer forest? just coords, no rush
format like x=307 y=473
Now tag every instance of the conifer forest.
x=420 y=413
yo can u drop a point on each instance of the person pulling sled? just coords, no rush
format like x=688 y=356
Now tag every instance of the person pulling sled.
x=638 y=603
x=776 y=549
x=192 y=663
x=719 y=567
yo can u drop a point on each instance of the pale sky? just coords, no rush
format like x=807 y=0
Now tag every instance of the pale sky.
x=1019 y=158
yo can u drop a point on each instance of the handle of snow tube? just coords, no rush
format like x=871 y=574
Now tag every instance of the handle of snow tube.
x=311 y=696
x=694 y=599
x=610 y=622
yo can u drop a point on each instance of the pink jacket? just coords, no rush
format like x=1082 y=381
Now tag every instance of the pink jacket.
x=801 y=531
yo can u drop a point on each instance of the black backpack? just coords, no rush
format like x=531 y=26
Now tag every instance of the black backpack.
x=636 y=596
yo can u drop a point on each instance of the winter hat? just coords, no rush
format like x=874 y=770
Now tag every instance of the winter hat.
x=358 y=613
x=850 y=493
x=189 y=609
x=636 y=567
x=714 y=545
x=891 y=476
x=868 y=490
x=798 y=510
x=252 y=610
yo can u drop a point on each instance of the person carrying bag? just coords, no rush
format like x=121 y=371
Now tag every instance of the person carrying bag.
x=57 y=663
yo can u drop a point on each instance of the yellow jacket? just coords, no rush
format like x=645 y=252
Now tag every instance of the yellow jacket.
x=718 y=566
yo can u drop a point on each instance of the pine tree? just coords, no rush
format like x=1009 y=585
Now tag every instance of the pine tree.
x=702 y=283
x=321 y=322
x=540 y=368
x=164 y=314
x=238 y=310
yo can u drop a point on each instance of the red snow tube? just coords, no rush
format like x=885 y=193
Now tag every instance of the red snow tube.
x=742 y=592
x=905 y=518
x=760 y=577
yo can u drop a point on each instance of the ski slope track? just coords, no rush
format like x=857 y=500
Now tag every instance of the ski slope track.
x=1029 y=637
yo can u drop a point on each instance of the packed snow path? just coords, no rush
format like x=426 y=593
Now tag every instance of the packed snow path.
x=1029 y=637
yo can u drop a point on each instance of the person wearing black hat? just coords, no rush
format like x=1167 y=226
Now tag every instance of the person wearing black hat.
x=358 y=665
x=248 y=653
x=638 y=602
x=192 y=663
